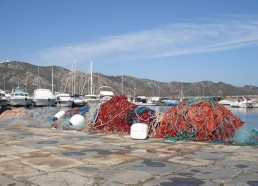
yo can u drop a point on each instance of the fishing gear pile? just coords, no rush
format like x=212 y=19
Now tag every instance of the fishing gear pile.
x=112 y=115
x=198 y=120
x=64 y=121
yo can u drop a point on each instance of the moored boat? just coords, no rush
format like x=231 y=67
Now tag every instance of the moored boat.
x=20 y=97
x=78 y=100
x=105 y=93
x=225 y=102
x=90 y=98
x=3 y=99
x=244 y=102
x=43 y=97
x=63 y=99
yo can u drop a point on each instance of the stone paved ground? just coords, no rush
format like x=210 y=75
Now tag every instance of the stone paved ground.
x=40 y=156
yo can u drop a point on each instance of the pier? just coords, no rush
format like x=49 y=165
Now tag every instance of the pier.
x=40 y=156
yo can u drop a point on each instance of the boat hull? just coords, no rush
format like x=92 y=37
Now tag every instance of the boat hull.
x=44 y=102
x=3 y=102
x=64 y=103
x=20 y=102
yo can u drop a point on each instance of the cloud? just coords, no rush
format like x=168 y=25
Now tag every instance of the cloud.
x=170 y=40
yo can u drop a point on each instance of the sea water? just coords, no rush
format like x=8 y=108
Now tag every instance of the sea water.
x=248 y=115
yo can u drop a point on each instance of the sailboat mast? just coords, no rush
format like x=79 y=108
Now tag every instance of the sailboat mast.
x=122 y=84
x=74 y=88
x=91 y=79
x=38 y=77
x=18 y=82
x=52 y=79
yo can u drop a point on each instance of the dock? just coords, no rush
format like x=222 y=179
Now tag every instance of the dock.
x=44 y=157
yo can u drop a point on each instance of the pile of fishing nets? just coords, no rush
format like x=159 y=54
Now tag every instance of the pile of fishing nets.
x=195 y=120
x=118 y=114
x=198 y=120
x=112 y=115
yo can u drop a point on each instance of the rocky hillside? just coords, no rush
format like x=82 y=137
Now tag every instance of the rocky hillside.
x=13 y=74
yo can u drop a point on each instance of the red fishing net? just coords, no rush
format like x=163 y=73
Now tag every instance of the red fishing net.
x=203 y=120
x=112 y=115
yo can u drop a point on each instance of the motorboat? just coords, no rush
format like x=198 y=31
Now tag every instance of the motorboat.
x=105 y=93
x=3 y=99
x=225 y=102
x=78 y=100
x=20 y=97
x=143 y=101
x=43 y=97
x=244 y=102
x=63 y=99
x=90 y=98
x=164 y=101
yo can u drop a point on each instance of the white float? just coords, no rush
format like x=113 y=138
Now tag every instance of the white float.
x=139 y=131
x=77 y=121
x=59 y=115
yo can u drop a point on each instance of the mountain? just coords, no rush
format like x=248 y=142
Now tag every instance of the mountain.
x=22 y=74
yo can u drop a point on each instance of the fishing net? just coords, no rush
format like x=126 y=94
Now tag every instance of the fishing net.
x=39 y=116
x=245 y=136
x=64 y=121
x=112 y=115
x=198 y=120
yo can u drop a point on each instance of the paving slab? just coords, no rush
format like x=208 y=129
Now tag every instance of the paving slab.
x=190 y=161
x=7 y=181
x=124 y=176
x=63 y=178
x=176 y=180
x=110 y=160
x=7 y=150
x=212 y=173
x=49 y=162
x=246 y=178
x=154 y=167
x=18 y=170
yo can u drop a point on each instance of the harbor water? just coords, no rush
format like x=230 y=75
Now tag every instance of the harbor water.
x=248 y=115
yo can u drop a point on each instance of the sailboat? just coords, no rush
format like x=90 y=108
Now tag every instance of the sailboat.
x=44 y=97
x=91 y=98
x=77 y=99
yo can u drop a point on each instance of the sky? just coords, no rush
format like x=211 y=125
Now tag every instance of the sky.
x=162 y=40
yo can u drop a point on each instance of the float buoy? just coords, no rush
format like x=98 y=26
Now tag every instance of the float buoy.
x=139 y=131
x=59 y=115
x=77 y=121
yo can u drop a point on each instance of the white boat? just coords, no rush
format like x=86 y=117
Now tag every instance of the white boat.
x=63 y=99
x=78 y=100
x=225 y=102
x=43 y=97
x=90 y=98
x=20 y=97
x=105 y=93
x=3 y=99
x=244 y=102
x=143 y=101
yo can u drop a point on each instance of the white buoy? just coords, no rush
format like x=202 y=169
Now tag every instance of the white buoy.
x=139 y=131
x=59 y=115
x=77 y=121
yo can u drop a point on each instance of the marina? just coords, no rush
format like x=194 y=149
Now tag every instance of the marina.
x=172 y=99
